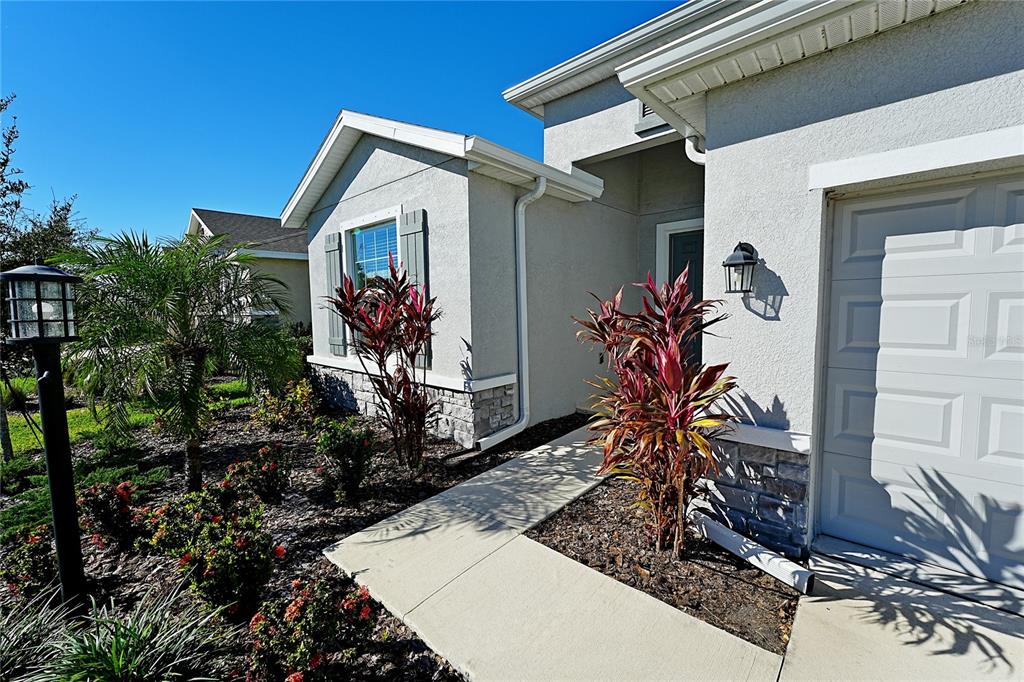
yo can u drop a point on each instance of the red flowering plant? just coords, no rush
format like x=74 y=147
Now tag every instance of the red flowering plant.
x=29 y=564
x=346 y=448
x=658 y=415
x=107 y=512
x=390 y=320
x=265 y=475
x=170 y=528
x=313 y=633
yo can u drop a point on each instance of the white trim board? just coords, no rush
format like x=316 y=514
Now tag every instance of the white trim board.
x=661 y=251
x=1002 y=144
x=776 y=439
x=434 y=379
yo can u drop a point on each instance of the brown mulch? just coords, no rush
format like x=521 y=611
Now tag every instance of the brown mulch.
x=605 y=531
x=308 y=519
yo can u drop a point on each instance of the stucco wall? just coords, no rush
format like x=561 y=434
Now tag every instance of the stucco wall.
x=378 y=175
x=295 y=276
x=951 y=75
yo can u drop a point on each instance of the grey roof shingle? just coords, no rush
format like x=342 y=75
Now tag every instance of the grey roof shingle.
x=265 y=233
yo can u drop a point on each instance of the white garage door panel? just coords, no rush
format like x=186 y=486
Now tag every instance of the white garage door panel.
x=924 y=421
x=946 y=232
x=962 y=523
x=968 y=325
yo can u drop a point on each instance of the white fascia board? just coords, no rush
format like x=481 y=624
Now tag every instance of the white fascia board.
x=751 y=24
x=278 y=255
x=579 y=183
x=1002 y=144
x=195 y=223
x=607 y=51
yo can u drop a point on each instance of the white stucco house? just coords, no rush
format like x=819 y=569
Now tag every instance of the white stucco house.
x=277 y=251
x=873 y=155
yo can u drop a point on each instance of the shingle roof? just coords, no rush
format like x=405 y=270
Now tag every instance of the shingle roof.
x=264 y=232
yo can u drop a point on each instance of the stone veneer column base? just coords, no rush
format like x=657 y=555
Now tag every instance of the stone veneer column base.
x=762 y=493
x=463 y=416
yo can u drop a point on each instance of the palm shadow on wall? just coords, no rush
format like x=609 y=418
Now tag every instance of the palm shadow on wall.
x=749 y=411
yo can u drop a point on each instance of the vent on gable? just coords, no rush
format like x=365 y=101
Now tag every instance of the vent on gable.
x=645 y=110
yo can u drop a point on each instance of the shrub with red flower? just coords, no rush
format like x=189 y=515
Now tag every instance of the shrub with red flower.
x=28 y=565
x=265 y=475
x=314 y=633
x=658 y=416
x=108 y=514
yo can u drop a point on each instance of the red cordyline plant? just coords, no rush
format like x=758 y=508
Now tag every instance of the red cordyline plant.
x=391 y=321
x=657 y=416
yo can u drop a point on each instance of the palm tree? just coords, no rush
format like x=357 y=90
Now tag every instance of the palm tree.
x=157 y=319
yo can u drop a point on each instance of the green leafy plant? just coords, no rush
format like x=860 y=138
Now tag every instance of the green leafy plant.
x=265 y=475
x=28 y=629
x=164 y=637
x=391 y=320
x=659 y=414
x=312 y=634
x=160 y=317
x=219 y=541
x=346 y=448
x=14 y=475
x=29 y=564
x=296 y=406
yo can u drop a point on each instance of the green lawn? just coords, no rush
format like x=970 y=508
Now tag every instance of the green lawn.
x=81 y=425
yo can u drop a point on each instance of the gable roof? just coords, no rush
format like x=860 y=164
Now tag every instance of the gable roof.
x=484 y=157
x=600 y=62
x=264 y=233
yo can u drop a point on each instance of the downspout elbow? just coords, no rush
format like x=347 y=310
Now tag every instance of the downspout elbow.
x=522 y=353
x=692 y=153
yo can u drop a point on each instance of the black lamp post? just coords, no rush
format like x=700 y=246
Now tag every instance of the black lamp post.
x=739 y=269
x=41 y=304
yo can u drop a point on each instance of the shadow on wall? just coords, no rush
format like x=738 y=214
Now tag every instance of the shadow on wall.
x=769 y=290
x=950 y=626
x=744 y=407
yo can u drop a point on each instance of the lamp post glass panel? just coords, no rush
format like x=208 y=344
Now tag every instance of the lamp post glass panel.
x=41 y=310
x=739 y=269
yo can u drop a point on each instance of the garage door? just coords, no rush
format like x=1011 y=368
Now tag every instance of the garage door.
x=924 y=432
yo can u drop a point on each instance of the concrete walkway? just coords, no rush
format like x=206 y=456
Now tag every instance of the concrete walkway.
x=499 y=606
x=861 y=624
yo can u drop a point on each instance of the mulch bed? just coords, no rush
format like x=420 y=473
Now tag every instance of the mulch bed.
x=307 y=520
x=604 y=530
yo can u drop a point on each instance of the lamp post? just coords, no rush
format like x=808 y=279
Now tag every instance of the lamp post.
x=41 y=302
x=739 y=269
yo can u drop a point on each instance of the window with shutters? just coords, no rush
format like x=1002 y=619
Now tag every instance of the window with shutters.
x=370 y=249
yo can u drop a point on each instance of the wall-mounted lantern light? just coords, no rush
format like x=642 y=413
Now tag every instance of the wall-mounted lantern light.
x=739 y=269
x=41 y=310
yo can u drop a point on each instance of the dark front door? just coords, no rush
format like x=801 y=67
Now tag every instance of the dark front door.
x=687 y=249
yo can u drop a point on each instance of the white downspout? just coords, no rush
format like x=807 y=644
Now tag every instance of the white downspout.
x=692 y=153
x=523 y=354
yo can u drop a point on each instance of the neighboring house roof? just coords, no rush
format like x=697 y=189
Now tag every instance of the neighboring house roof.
x=600 y=62
x=754 y=38
x=265 y=235
x=484 y=157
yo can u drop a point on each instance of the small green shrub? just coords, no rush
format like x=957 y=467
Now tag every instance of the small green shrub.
x=218 y=538
x=28 y=629
x=17 y=392
x=297 y=406
x=292 y=637
x=29 y=564
x=14 y=475
x=347 y=448
x=266 y=475
x=165 y=637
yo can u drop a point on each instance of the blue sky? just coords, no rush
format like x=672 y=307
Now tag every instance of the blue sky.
x=146 y=109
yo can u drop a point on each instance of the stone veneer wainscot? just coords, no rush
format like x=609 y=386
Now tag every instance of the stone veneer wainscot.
x=463 y=416
x=761 y=492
